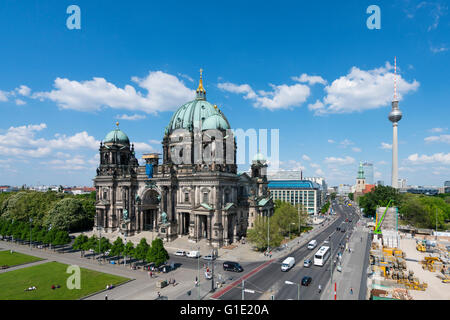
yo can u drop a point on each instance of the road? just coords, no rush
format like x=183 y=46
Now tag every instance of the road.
x=272 y=279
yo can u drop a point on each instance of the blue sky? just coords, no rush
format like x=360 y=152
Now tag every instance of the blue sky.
x=311 y=69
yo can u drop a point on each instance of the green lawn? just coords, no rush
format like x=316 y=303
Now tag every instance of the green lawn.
x=15 y=258
x=43 y=276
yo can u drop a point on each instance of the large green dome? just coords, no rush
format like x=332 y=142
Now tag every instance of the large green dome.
x=117 y=136
x=198 y=113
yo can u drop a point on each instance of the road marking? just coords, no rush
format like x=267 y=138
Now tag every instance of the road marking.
x=234 y=284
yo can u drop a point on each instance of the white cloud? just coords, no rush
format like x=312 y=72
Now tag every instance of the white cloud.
x=281 y=97
x=361 y=90
x=23 y=90
x=143 y=147
x=164 y=92
x=22 y=142
x=152 y=141
x=291 y=165
x=438 y=49
x=445 y=138
x=339 y=161
x=319 y=172
x=132 y=117
x=345 y=143
x=306 y=158
x=355 y=149
x=314 y=165
x=330 y=141
x=382 y=162
x=311 y=80
x=3 y=96
x=386 y=146
x=377 y=174
x=438 y=130
x=318 y=105
x=20 y=102
x=442 y=158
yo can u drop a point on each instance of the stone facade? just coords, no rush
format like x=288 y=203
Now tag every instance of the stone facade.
x=201 y=198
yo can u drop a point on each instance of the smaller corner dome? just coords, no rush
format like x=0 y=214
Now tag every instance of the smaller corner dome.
x=259 y=157
x=117 y=136
x=215 y=121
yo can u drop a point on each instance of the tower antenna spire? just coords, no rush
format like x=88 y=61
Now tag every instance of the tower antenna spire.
x=395 y=79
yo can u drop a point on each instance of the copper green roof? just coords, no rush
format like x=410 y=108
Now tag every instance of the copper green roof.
x=200 y=114
x=117 y=136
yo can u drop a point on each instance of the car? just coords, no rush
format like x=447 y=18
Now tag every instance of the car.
x=180 y=253
x=346 y=220
x=307 y=263
x=232 y=266
x=338 y=228
x=342 y=230
x=209 y=257
x=306 y=281
x=193 y=254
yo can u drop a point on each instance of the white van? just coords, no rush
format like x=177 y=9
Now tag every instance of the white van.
x=193 y=254
x=312 y=244
x=287 y=263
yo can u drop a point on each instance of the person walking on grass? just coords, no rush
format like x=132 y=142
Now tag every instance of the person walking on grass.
x=351 y=290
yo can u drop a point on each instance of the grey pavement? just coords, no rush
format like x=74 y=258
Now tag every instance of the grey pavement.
x=354 y=265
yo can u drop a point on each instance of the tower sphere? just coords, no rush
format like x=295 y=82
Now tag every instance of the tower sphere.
x=395 y=115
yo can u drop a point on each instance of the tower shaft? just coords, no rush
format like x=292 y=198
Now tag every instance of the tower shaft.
x=395 y=155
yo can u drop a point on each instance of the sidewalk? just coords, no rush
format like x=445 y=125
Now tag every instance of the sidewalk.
x=353 y=268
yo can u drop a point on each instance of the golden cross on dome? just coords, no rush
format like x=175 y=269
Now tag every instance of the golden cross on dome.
x=201 y=71
x=117 y=124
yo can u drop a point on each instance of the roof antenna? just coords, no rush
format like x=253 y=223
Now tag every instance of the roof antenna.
x=395 y=79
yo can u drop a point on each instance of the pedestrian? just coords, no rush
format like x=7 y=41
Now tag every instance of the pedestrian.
x=159 y=295
x=151 y=274
x=106 y=297
x=351 y=290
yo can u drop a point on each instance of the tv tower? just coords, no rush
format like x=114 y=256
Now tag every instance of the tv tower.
x=395 y=116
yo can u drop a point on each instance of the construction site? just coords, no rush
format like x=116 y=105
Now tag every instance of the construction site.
x=406 y=266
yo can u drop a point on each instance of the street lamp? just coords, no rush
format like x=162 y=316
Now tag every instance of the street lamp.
x=298 y=285
x=212 y=271
x=31 y=221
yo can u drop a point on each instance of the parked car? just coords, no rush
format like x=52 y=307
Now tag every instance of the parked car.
x=209 y=257
x=307 y=263
x=306 y=281
x=180 y=253
x=232 y=266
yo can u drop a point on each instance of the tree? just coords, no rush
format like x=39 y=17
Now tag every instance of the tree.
x=286 y=217
x=140 y=252
x=350 y=196
x=61 y=238
x=379 y=196
x=258 y=234
x=67 y=214
x=157 y=253
x=79 y=243
x=129 y=249
x=117 y=247
x=333 y=195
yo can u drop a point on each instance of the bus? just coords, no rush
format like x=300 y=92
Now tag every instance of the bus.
x=321 y=256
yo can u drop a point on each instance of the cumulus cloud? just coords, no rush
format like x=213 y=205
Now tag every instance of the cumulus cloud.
x=319 y=172
x=281 y=97
x=445 y=138
x=22 y=142
x=355 y=149
x=442 y=158
x=386 y=146
x=311 y=80
x=164 y=92
x=3 y=96
x=362 y=90
x=131 y=117
x=23 y=90
x=331 y=141
x=20 y=102
x=345 y=143
x=339 y=161
x=306 y=158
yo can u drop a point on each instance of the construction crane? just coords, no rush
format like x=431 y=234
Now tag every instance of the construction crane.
x=378 y=226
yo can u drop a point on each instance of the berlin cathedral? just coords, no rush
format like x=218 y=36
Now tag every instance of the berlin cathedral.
x=200 y=199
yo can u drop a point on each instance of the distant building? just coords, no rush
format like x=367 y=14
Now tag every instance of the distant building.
x=344 y=189
x=320 y=181
x=402 y=183
x=446 y=187
x=423 y=190
x=82 y=190
x=368 y=172
x=5 y=189
x=304 y=192
x=285 y=175
x=380 y=183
